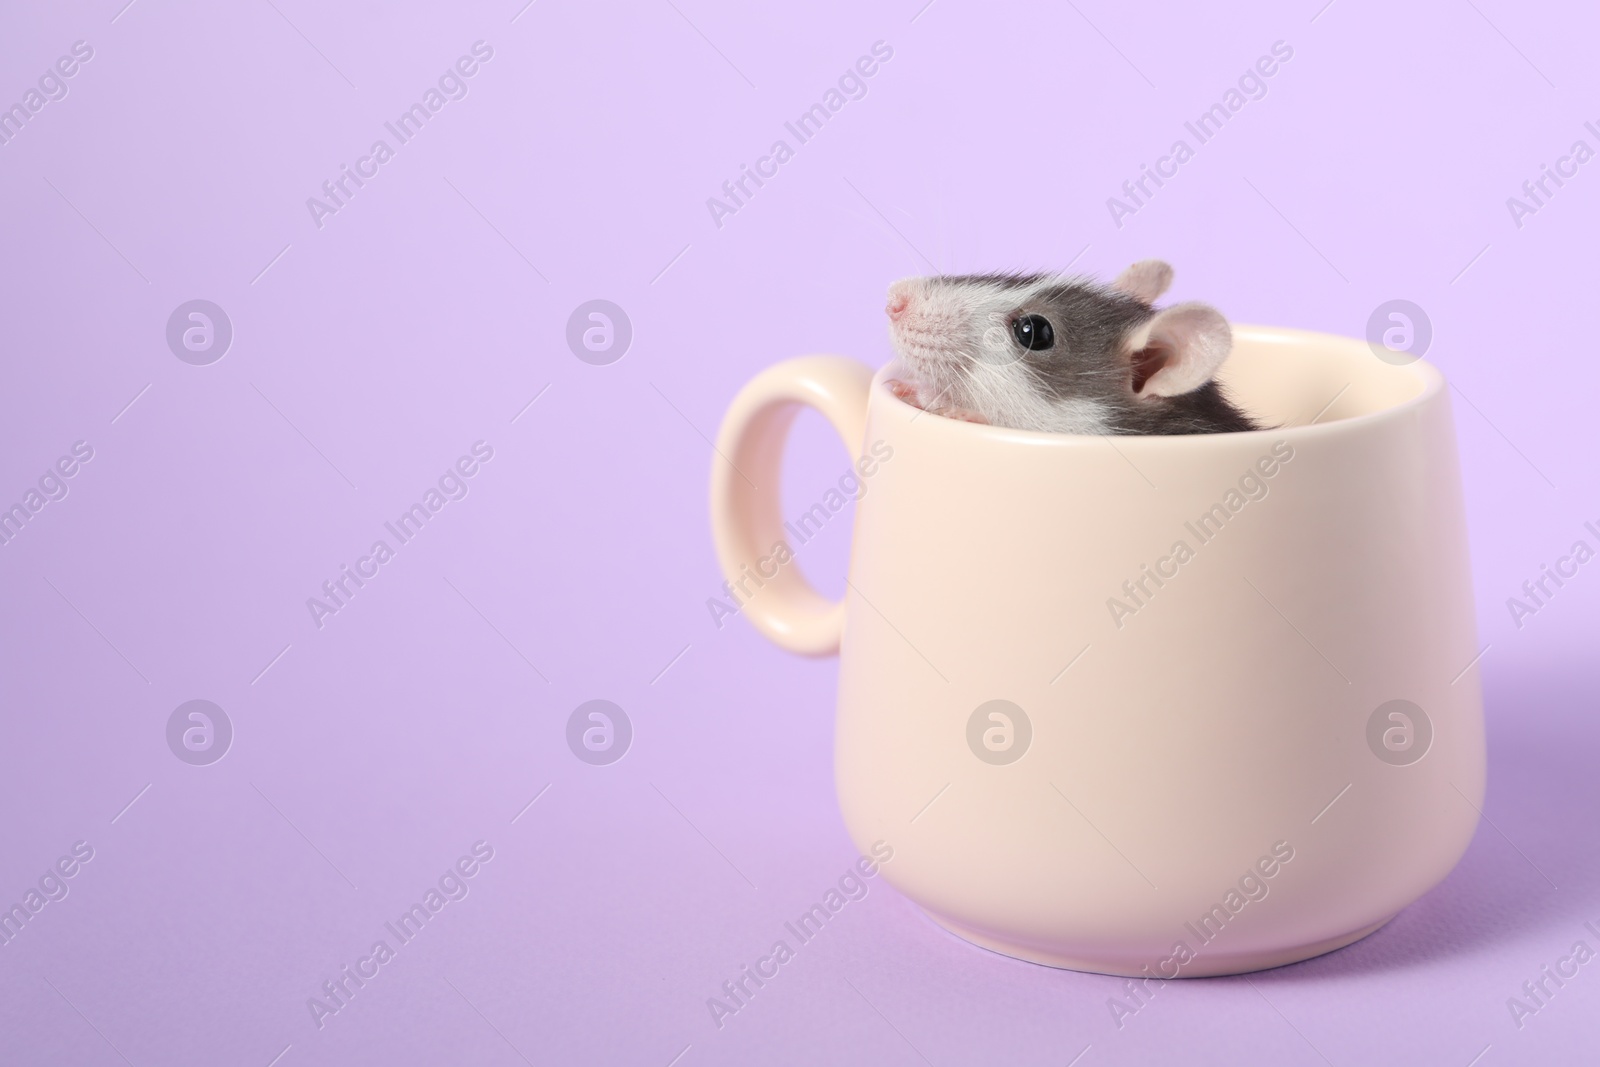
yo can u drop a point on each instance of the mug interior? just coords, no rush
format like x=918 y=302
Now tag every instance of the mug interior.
x=1290 y=377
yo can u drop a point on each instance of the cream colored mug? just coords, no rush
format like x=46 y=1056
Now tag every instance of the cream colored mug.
x=1151 y=706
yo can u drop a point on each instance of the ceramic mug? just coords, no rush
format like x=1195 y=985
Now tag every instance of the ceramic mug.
x=1154 y=706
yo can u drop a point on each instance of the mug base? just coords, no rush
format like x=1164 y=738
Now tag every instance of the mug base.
x=1204 y=965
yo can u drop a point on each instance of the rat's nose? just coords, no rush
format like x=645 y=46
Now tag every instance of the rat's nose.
x=899 y=301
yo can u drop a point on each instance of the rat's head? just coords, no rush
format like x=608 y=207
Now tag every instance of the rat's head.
x=1041 y=350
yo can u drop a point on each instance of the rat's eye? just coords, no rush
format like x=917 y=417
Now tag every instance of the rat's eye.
x=1033 y=332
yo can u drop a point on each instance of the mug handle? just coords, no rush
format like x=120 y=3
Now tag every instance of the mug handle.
x=744 y=492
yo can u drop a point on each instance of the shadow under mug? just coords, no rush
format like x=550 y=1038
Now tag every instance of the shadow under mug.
x=1151 y=706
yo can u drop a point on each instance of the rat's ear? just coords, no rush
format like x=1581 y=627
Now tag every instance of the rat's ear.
x=1178 y=350
x=1146 y=280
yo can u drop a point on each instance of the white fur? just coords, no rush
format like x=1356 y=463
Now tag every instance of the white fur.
x=1015 y=401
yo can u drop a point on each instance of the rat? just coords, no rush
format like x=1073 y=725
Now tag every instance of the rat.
x=1062 y=354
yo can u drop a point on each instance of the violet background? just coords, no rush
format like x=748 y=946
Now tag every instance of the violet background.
x=376 y=750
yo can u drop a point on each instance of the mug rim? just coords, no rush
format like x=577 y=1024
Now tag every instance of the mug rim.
x=1431 y=378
